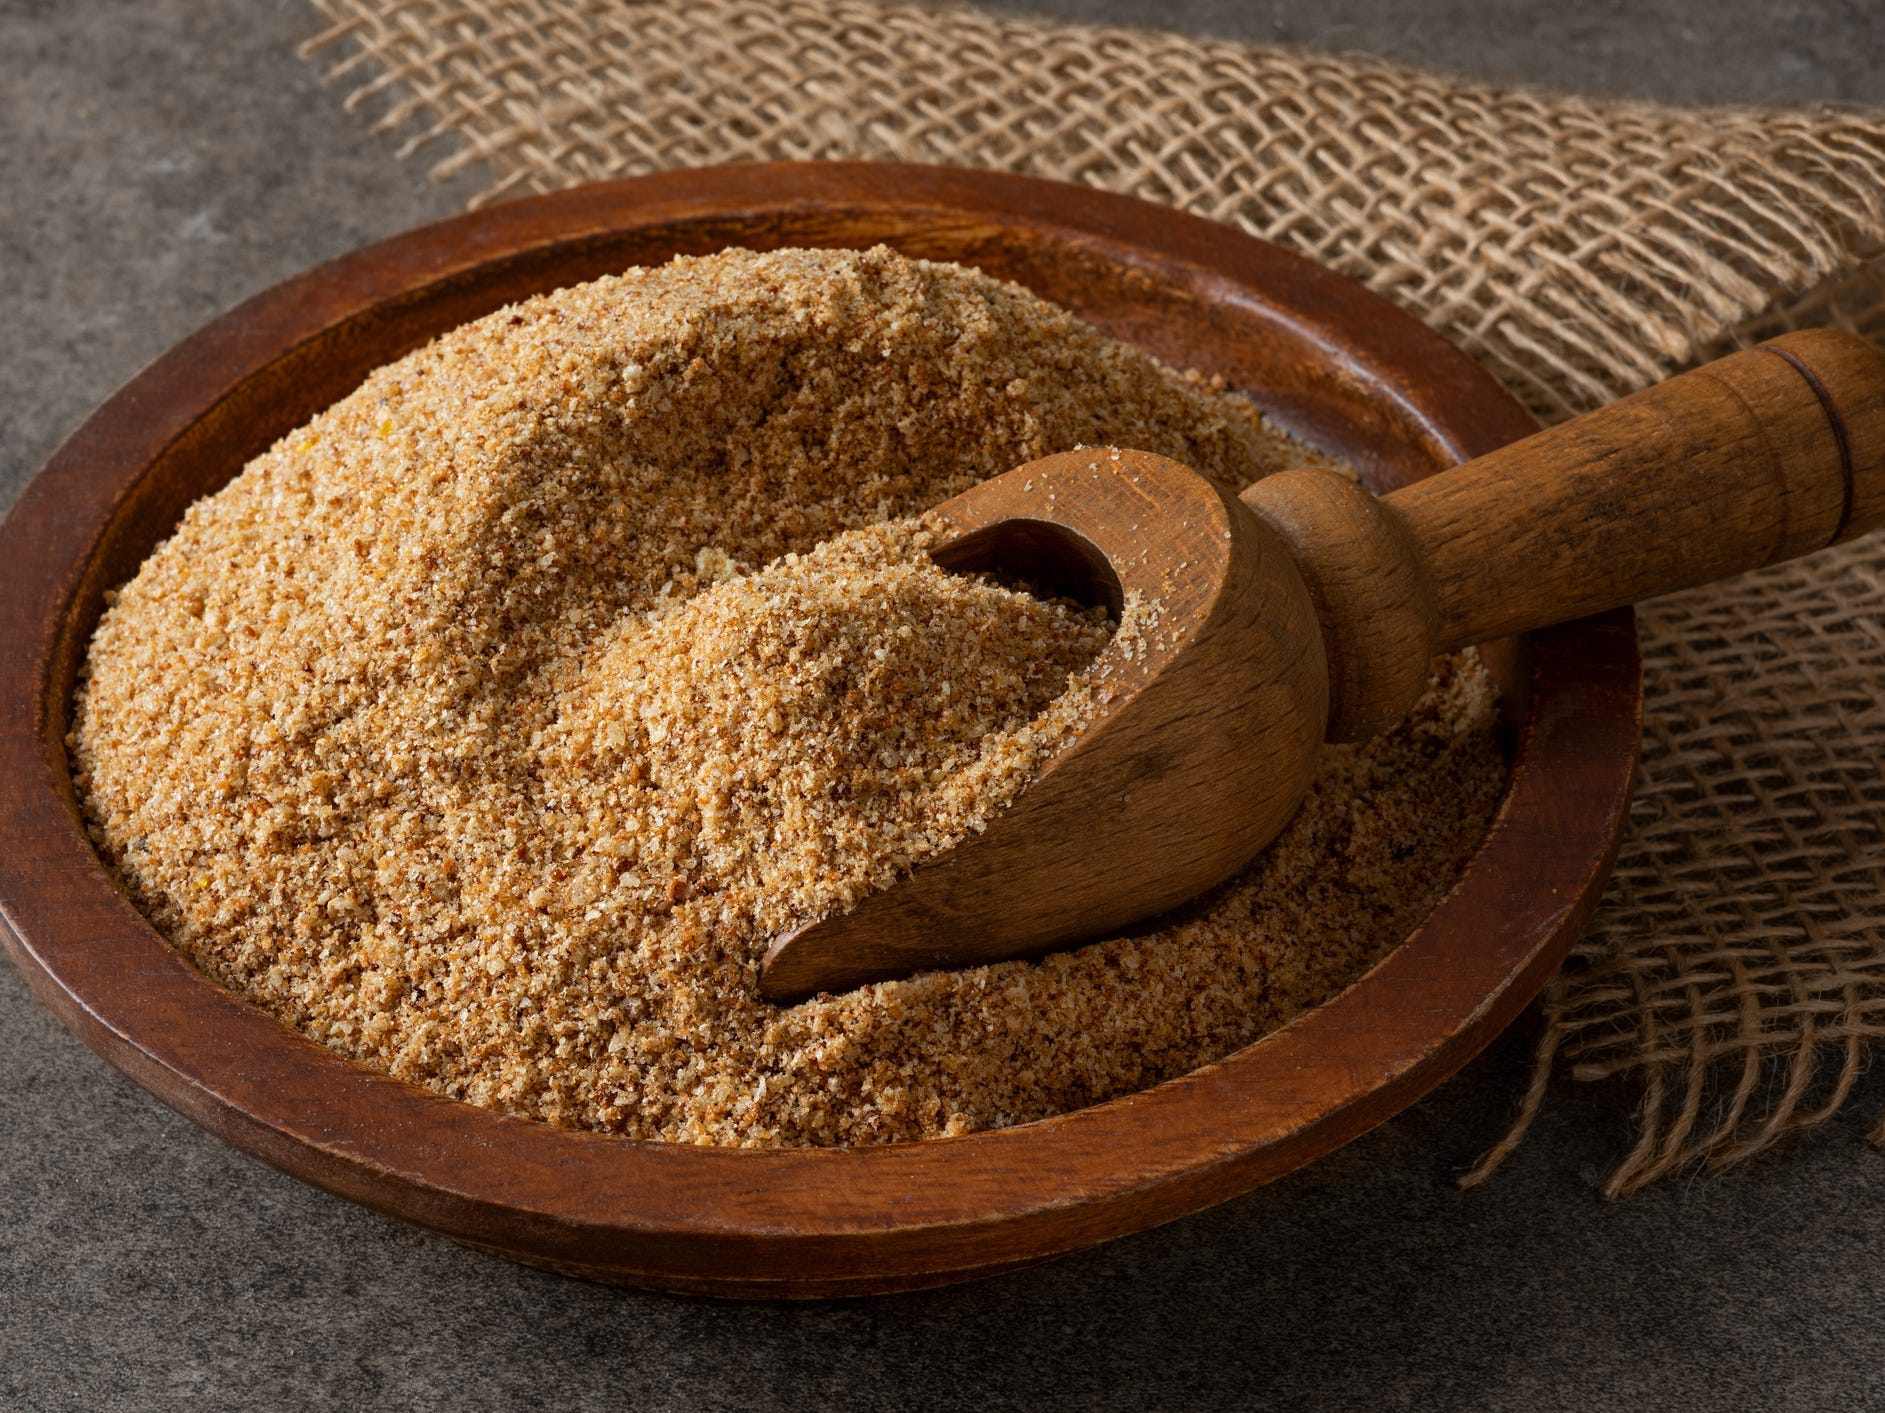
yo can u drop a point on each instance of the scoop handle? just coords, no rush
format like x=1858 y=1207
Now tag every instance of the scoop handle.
x=1769 y=453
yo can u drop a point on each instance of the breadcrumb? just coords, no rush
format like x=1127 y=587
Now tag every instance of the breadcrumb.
x=487 y=727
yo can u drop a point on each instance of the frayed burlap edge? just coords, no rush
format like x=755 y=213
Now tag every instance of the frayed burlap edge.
x=1578 y=249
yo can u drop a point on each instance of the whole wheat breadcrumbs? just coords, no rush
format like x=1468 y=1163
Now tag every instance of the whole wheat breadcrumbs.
x=487 y=727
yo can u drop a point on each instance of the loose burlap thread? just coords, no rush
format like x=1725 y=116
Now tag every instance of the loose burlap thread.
x=1579 y=249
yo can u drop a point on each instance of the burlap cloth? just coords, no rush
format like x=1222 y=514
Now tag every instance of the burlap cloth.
x=1578 y=249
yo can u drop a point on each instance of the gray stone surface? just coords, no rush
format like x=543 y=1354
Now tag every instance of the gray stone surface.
x=162 y=159
x=1688 y=51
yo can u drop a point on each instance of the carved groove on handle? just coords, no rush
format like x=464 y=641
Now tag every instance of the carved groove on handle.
x=1835 y=421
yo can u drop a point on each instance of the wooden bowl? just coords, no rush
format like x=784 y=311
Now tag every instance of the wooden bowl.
x=1330 y=360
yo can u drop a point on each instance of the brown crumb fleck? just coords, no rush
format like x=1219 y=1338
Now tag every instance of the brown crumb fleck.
x=486 y=728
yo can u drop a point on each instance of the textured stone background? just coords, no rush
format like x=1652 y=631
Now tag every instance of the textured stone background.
x=162 y=159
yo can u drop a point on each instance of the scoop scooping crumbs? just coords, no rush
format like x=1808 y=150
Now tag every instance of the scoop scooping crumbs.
x=486 y=728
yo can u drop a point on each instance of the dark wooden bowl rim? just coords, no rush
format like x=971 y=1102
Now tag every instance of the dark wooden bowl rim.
x=785 y=1221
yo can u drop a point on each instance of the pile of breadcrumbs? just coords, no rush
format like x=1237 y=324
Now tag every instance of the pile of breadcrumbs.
x=486 y=728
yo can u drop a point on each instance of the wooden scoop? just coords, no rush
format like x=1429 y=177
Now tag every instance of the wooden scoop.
x=1308 y=610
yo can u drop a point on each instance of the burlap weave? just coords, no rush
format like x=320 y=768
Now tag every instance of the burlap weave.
x=1579 y=249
